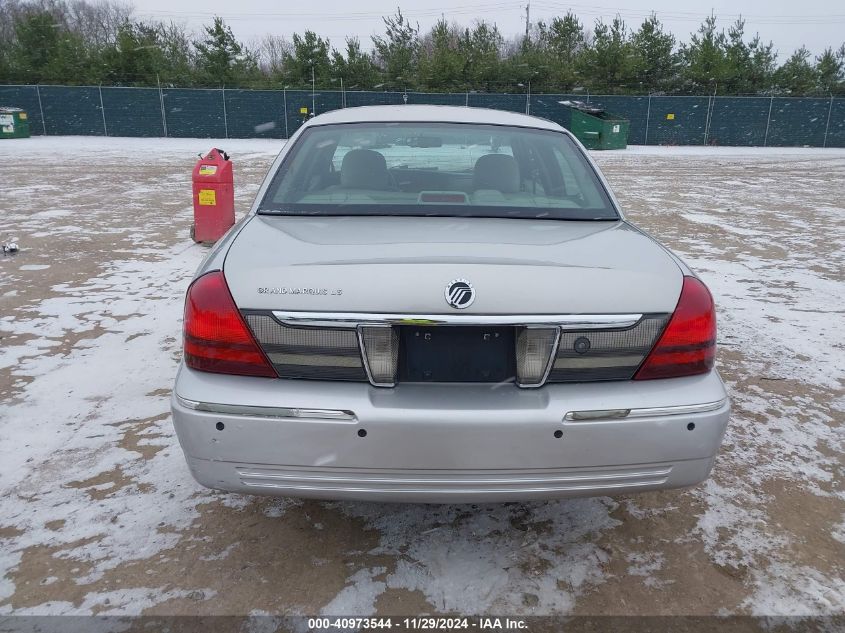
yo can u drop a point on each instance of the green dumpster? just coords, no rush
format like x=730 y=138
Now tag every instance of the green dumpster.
x=594 y=127
x=13 y=123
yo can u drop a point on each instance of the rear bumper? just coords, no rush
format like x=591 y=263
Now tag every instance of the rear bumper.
x=447 y=443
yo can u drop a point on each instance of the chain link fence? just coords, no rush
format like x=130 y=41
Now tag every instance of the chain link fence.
x=228 y=113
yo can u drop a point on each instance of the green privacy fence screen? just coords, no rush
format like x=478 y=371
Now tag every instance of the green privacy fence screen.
x=224 y=113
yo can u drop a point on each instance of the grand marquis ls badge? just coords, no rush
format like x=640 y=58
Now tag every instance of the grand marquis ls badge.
x=460 y=293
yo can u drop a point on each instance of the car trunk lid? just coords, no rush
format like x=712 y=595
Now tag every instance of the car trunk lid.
x=402 y=265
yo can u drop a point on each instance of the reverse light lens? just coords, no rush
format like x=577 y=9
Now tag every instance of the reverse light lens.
x=216 y=338
x=534 y=348
x=688 y=344
x=381 y=351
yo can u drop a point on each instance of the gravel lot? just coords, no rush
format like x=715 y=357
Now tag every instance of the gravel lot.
x=98 y=513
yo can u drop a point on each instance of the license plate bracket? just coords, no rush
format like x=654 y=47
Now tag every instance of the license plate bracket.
x=456 y=354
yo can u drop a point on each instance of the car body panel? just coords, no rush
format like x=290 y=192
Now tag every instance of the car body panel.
x=456 y=433
x=449 y=487
x=431 y=114
x=403 y=264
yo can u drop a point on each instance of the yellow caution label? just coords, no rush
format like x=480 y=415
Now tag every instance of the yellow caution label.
x=207 y=197
x=208 y=170
x=303 y=110
x=670 y=116
x=22 y=116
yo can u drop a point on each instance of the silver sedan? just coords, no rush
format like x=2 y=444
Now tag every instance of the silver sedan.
x=443 y=304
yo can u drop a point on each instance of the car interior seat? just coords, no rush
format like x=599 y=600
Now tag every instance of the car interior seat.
x=499 y=172
x=364 y=169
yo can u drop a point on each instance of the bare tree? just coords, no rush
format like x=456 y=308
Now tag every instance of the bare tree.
x=97 y=22
x=271 y=51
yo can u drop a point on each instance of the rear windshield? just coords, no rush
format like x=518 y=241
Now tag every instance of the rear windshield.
x=451 y=169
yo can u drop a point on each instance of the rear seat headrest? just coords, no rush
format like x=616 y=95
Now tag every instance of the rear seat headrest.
x=364 y=169
x=496 y=171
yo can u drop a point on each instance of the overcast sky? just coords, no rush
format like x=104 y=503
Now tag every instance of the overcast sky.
x=789 y=24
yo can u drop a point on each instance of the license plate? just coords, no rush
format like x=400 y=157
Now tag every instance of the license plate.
x=456 y=354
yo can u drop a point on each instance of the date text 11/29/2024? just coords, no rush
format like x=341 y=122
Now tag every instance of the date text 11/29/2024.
x=326 y=624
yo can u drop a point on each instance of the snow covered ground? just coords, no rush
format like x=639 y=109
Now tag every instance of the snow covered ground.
x=98 y=513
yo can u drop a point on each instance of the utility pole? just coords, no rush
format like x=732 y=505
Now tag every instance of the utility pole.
x=313 y=97
x=527 y=19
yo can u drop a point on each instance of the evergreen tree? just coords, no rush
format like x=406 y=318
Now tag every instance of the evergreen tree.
x=357 y=68
x=829 y=71
x=565 y=41
x=704 y=58
x=136 y=57
x=655 y=60
x=480 y=50
x=178 y=67
x=440 y=65
x=748 y=67
x=92 y=41
x=609 y=62
x=5 y=63
x=398 y=50
x=310 y=53
x=221 y=59
x=761 y=70
x=736 y=74
x=797 y=75
x=36 y=46
x=46 y=52
x=529 y=63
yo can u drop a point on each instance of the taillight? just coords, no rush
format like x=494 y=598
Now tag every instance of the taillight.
x=216 y=337
x=688 y=344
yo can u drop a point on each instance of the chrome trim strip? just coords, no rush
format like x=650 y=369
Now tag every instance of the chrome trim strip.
x=320 y=477
x=334 y=415
x=598 y=414
x=354 y=319
x=678 y=410
x=620 y=414
x=458 y=491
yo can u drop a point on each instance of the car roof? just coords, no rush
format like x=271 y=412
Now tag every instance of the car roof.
x=431 y=114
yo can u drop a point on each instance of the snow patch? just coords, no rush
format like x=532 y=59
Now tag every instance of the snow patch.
x=483 y=559
x=358 y=598
x=45 y=440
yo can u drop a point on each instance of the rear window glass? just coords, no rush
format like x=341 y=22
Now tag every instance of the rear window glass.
x=436 y=169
